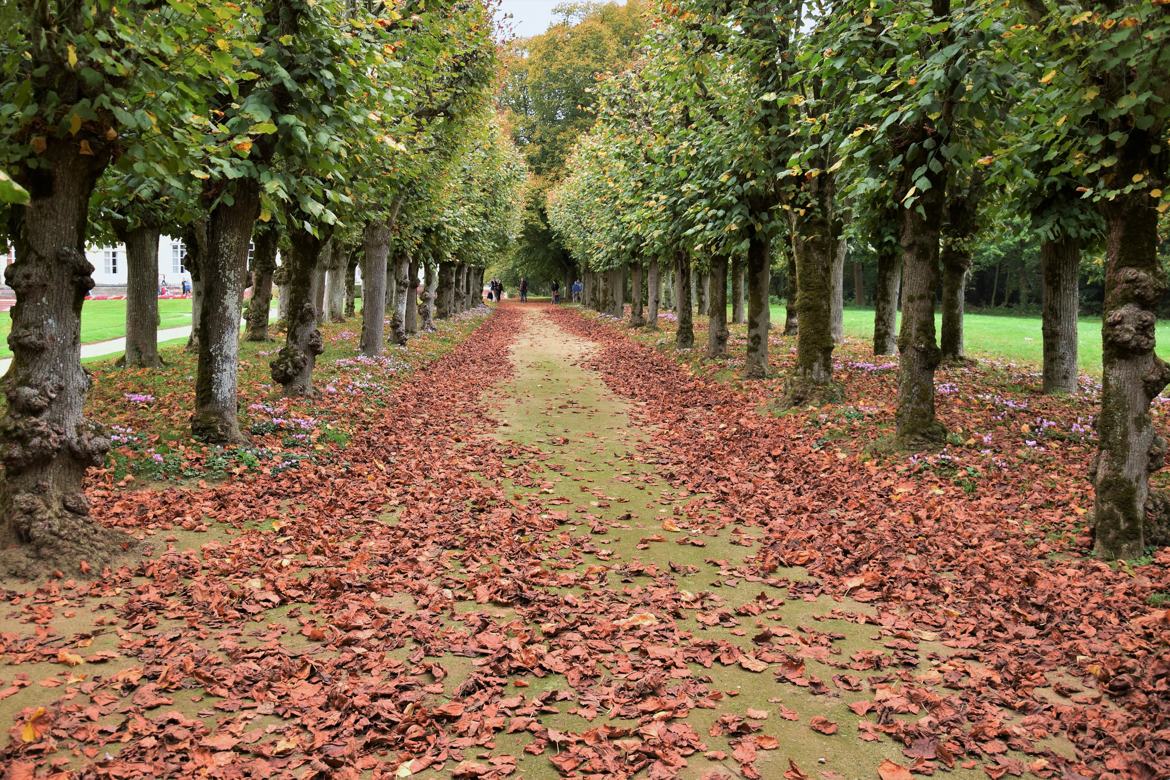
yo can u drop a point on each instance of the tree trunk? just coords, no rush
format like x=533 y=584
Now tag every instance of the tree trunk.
x=195 y=239
x=47 y=444
x=229 y=232
x=293 y=366
x=702 y=291
x=668 y=283
x=430 y=285
x=263 y=266
x=317 y=287
x=1060 y=261
x=446 y=294
x=717 y=308
x=338 y=259
x=684 y=337
x=818 y=257
x=617 y=291
x=759 y=318
x=962 y=212
x=920 y=234
x=738 y=301
x=351 y=283
x=885 y=299
x=858 y=284
x=653 y=285
x=401 y=279
x=1130 y=449
x=791 y=294
x=412 y=297
x=637 y=319
x=837 y=288
x=141 y=296
x=375 y=250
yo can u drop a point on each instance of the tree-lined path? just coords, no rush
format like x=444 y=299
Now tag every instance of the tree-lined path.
x=559 y=552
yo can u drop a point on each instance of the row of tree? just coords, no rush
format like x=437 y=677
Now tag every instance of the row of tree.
x=336 y=132
x=752 y=130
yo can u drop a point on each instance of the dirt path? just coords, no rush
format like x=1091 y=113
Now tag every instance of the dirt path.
x=495 y=579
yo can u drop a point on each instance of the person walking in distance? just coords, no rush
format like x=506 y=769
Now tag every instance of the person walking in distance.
x=523 y=289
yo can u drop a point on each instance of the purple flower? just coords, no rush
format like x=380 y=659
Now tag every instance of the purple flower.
x=138 y=398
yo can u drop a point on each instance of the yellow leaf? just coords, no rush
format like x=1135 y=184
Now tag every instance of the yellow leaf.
x=244 y=146
x=1137 y=178
x=265 y=215
x=29 y=731
x=74 y=124
x=1155 y=193
x=71 y=55
x=68 y=658
x=221 y=44
x=1048 y=77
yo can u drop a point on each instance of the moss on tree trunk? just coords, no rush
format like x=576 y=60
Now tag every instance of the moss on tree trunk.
x=817 y=255
x=738 y=299
x=653 y=286
x=401 y=266
x=637 y=320
x=791 y=292
x=885 y=298
x=1129 y=448
x=412 y=297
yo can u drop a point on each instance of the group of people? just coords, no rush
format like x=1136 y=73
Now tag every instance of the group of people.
x=496 y=290
x=184 y=286
x=575 y=290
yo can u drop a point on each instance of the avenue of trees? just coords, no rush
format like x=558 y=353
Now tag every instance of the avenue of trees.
x=748 y=135
x=337 y=133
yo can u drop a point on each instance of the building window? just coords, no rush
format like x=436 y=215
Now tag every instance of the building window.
x=178 y=256
x=112 y=257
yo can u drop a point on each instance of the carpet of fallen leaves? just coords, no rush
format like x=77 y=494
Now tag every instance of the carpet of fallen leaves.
x=397 y=606
x=982 y=546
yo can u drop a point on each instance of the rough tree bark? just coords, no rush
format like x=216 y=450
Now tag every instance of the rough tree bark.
x=141 y=296
x=376 y=248
x=653 y=285
x=668 y=298
x=962 y=212
x=293 y=366
x=684 y=337
x=263 y=266
x=1130 y=449
x=229 y=232
x=791 y=291
x=401 y=266
x=837 y=287
x=759 y=318
x=317 y=285
x=446 y=293
x=47 y=444
x=817 y=257
x=738 y=299
x=1060 y=261
x=885 y=298
x=617 y=292
x=351 y=283
x=430 y=285
x=717 y=308
x=412 y=297
x=338 y=260
x=920 y=355
x=858 y=284
x=195 y=239
x=280 y=279
x=637 y=319
x=702 y=288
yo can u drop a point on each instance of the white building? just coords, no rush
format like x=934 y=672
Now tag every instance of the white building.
x=109 y=264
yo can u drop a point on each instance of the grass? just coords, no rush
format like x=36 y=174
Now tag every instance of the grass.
x=105 y=320
x=1003 y=336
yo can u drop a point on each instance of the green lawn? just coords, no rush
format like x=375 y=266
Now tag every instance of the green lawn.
x=1002 y=336
x=105 y=320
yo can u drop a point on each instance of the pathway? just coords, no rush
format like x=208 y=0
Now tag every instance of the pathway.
x=503 y=574
x=114 y=346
